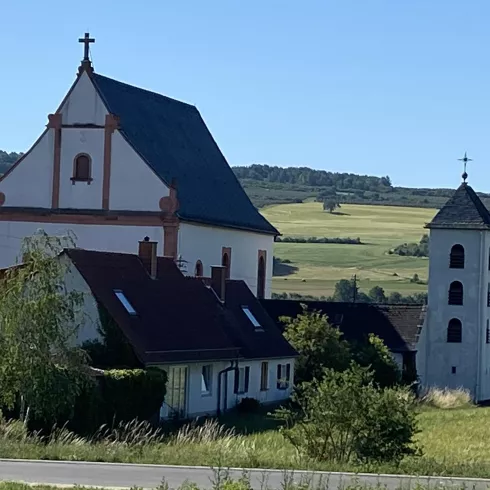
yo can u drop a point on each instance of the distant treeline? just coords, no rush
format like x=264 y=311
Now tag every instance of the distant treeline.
x=311 y=177
x=7 y=159
x=420 y=249
x=346 y=291
x=266 y=185
x=314 y=239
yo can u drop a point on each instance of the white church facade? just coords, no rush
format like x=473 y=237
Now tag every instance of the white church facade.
x=117 y=163
x=454 y=344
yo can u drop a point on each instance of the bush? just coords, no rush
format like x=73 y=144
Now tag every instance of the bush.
x=344 y=417
x=377 y=357
x=318 y=344
x=447 y=398
x=133 y=393
x=248 y=405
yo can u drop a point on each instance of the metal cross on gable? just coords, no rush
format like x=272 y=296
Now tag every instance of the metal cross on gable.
x=465 y=160
x=86 y=40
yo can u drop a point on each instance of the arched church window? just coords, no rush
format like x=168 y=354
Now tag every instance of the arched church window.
x=455 y=296
x=261 y=276
x=198 y=270
x=226 y=260
x=454 y=331
x=456 y=258
x=82 y=168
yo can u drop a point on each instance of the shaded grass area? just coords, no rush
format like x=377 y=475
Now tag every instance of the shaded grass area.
x=454 y=442
x=316 y=267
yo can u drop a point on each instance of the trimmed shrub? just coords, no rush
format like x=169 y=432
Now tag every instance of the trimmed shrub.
x=133 y=393
x=248 y=405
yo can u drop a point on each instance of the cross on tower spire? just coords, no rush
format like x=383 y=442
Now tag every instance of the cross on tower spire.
x=86 y=65
x=465 y=160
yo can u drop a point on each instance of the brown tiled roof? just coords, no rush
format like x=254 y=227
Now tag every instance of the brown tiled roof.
x=178 y=319
x=463 y=210
x=396 y=325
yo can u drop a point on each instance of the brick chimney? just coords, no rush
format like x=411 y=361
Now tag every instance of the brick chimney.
x=147 y=252
x=218 y=281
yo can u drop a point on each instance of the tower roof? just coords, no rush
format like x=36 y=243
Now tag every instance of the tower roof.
x=463 y=210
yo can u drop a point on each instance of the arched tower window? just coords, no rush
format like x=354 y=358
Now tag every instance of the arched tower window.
x=454 y=331
x=82 y=168
x=226 y=260
x=455 y=295
x=456 y=257
x=198 y=270
x=261 y=274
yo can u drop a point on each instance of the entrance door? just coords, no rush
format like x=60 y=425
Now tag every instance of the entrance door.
x=176 y=397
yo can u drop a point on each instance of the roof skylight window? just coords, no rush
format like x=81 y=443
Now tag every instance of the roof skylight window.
x=251 y=317
x=125 y=302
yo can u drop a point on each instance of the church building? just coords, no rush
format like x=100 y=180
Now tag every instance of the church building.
x=117 y=163
x=454 y=344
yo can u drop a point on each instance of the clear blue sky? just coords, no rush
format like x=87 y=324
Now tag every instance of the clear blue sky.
x=380 y=87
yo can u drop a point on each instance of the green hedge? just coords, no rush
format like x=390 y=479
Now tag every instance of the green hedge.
x=133 y=393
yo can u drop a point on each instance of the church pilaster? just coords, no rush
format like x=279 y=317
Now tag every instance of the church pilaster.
x=111 y=124
x=54 y=123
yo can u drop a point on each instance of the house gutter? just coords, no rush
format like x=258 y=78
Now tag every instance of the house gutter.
x=232 y=367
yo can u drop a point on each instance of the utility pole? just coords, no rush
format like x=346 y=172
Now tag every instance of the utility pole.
x=354 y=290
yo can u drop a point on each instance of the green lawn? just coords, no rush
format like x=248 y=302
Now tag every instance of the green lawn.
x=320 y=266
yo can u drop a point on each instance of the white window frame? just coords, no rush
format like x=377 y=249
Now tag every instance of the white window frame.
x=283 y=382
x=207 y=385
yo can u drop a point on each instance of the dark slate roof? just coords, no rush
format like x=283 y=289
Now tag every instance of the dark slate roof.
x=178 y=319
x=175 y=142
x=463 y=210
x=396 y=325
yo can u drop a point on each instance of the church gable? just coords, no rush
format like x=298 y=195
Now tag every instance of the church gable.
x=83 y=105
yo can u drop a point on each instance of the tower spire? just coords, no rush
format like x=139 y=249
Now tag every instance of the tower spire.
x=86 y=64
x=465 y=160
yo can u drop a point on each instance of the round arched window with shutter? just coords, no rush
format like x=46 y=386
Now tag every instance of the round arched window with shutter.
x=82 y=168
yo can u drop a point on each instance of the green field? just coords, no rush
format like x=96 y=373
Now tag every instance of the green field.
x=320 y=266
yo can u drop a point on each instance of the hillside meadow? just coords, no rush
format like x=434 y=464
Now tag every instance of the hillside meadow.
x=321 y=265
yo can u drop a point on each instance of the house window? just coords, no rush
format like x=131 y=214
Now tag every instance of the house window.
x=283 y=376
x=82 y=167
x=455 y=295
x=456 y=257
x=226 y=260
x=125 y=302
x=264 y=376
x=252 y=318
x=261 y=274
x=198 y=269
x=453 y=369
x=454 y=331
x=242 y=379
x=206 y=379
x=488 y=332
x=488 y=294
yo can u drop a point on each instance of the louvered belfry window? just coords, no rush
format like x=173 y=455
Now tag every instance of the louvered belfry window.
x=456 y=257
x=82 y=168
x=454 y=331
x=455 y=295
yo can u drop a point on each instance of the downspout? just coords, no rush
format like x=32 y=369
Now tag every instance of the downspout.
x=480 y=317
x=231 y=367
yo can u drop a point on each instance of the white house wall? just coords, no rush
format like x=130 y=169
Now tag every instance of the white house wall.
x=83 y=105
x=30 y=182
x=206 y=404
x=111 y=238
x=134 y=186
x=88 y=314
x=205 y=243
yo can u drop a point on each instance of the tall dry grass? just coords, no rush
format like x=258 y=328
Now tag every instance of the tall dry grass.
x=447 y=398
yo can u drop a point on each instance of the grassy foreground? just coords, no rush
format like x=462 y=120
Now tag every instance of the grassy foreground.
x=320 y=266
x=454 y=443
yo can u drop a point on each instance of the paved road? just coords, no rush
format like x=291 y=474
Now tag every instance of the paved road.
x=149 y=476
